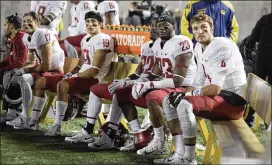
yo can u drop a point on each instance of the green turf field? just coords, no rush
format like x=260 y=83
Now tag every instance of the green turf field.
x=31 y=147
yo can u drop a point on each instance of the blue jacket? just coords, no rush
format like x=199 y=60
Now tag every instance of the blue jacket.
x=222 y=13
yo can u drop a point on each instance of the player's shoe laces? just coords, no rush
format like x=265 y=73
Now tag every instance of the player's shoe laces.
x=129 y=147
x=19 y=122
x=81 y=136
x=156 y=146
x=176 y=158
x=101 y=143
x=54 y=130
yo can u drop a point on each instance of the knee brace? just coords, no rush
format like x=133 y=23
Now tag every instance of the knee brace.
x=170 y=113
x=187 y=119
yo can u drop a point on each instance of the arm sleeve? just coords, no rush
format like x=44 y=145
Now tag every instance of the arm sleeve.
x=200 y=76
x=183 y=46
x=20 y=55
x=185 y=24
x=59 y=8
x=234 y=31
x=222 y=63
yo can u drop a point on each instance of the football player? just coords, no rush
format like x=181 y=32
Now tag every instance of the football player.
x=17 y=56
x=218 y=89
x=44 y=49
x=175 y=57
x=106 y=91
x=50 y=13
x=92 y=67
x=77 y=29
x=78 y=11
x=109 y=10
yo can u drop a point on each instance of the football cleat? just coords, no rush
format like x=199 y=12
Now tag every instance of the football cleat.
x=19 y=122
x=102 y=143
x=173 y=159
x=130 y=147
x=8 y=117
x=34 y=126
x=81 y=136
x=156 y=146
x=54 y=130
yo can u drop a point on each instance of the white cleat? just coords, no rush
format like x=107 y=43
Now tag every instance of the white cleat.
x=174 y=159
x=54 y=130
x=130 y=147
x=102 y=143
x=19 y=122
x=9 y=117
x=156 y=146
x=81 y=136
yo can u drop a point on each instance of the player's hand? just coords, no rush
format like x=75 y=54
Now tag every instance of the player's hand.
x=17 y=72
x=174 y=99
x=67 y=75
x=119 y=84
x=141 y=87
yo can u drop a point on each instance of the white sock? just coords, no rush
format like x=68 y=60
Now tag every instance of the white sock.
x=12 y=112
x=115 y=114
x=179 y=143
x=134 y=124
x=25 y=83
x=189 y=152
x=38 y=104
x=159 y=133
x=94 y=107
x=61 y=107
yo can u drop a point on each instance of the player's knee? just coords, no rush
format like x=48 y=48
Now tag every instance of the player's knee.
x=63 y=87
x=26 y=79
x=187 y=119
x=170 y=113
x=152 y=99
x=96 y=90
x=40 y=83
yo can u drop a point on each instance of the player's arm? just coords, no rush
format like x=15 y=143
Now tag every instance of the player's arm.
x=221 y=63
x=256 y=33
x=46 y=55
x=185 y=24
x=57 y=10
x=98 y=60
x=79 y=64
x=21 y=55
x=31 y=60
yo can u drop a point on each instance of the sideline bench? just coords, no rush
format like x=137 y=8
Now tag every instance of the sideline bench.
x=235 y=140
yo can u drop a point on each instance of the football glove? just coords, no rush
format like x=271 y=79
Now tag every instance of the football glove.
x=175 y=98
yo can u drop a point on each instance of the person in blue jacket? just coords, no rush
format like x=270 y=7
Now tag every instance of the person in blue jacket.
x=222 y=13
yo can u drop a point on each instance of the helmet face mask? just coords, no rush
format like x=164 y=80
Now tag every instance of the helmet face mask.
x=12 y=89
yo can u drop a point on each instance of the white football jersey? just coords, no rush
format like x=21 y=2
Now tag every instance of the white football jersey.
x=147 y=57
x=175 y=46
x=221 y=64
x=78 y=12
x=41 y=37
x=46 y=7
x=107 y=6
x=89 y=45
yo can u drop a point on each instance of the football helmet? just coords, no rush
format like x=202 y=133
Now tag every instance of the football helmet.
x=12 y=89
